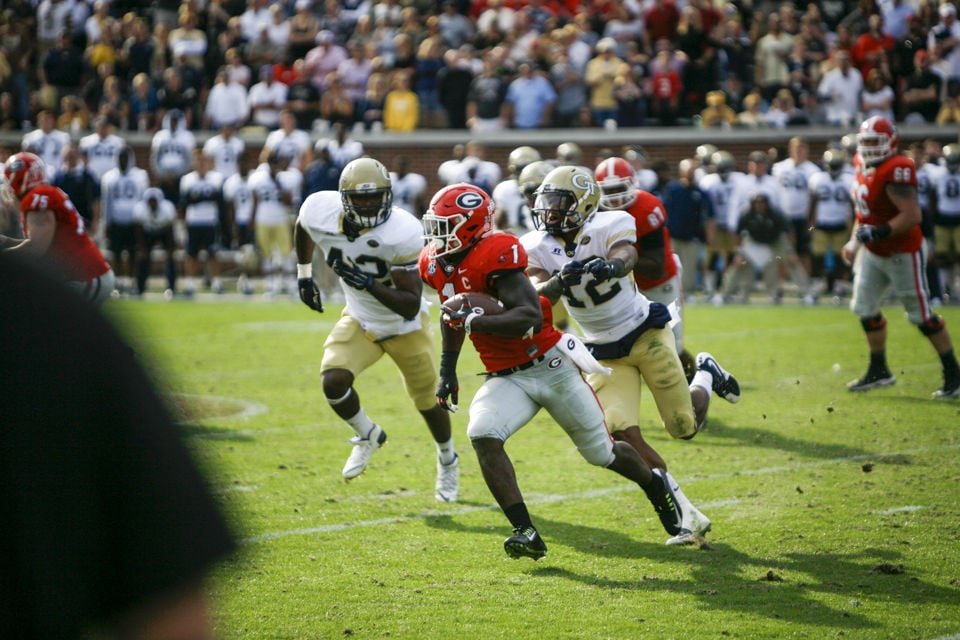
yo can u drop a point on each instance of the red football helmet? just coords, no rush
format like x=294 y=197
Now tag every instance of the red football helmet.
x=458 y=216
x=618 y=183
x=21 y=173
x=877 y=140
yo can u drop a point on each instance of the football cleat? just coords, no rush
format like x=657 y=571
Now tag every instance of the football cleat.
x=363 y=448
x=665 y=503
x=448 y=481
x=525 y=542
x=694 y=529
x=950 y=389
x=872 y=380
x=724 y=384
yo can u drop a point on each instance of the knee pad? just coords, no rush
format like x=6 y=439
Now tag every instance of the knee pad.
x=931 y=325
x=598 y=453
x=874 y=323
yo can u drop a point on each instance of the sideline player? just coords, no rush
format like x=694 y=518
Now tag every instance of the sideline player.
x=372 y=245
x=54 y=230
x=888 y=229
x=529 y=364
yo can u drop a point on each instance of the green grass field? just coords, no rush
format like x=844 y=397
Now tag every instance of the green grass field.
x=834 y=514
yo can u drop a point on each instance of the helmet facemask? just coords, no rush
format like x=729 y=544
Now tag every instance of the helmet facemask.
x=556 y=210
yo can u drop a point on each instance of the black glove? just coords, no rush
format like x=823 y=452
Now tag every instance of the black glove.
x=353 y=275
x=604 y=269
x=448 y=389
x=310 y=293
x=867 y=233
x=570 y=274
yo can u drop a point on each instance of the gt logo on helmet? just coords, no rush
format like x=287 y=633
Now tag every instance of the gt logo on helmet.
x=583 y=181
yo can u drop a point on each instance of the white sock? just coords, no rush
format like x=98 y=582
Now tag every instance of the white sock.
x=361 y=424
x=446 y=451
x=685 y=504
x=704 y=380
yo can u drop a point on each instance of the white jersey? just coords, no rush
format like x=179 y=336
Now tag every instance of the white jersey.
x=513 y=204
x=292 y=180
x=288 y=145
x=342 y=154
x=224 y=153
x=448 y=171
x=479 y=173
x=201 y=197
x=394 y=243
x=171 y=154
x=745 y=188
x=51 y=148
x=120 y=192
x=794 y=192
x=834 y=207
x=407 y=190
x=101 y=153
x=721 y=194
x=269 y=209
x=237 y=192
x=155 y=221
x=947 y=188
x=605 y=311
x=647 y=180
x=927 y=175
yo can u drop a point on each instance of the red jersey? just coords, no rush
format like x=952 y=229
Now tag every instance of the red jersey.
x=873 y=205
x=495 y=255
x=72 y=253
x=650 y=215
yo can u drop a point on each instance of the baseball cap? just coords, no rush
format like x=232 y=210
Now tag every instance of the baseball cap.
x=947 y=9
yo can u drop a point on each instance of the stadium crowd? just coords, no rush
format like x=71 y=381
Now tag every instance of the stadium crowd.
x=485 y=65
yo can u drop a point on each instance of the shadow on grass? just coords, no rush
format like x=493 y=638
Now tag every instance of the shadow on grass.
x=720 y=432
x=791 y=587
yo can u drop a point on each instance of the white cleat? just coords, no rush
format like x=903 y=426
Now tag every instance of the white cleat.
x=694 y=529
x=363 y=448
x=448 y=481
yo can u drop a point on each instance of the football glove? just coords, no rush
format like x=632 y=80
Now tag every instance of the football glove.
x=310 y=293
x=462 y=318
x=448 y=389
x=867 y=233
x=571 y=274
x=604 y=269
x=353 y=275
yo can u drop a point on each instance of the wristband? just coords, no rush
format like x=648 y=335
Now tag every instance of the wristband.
x=619 y=268
x=304 y=270
x=473 y=315
x=883 y=231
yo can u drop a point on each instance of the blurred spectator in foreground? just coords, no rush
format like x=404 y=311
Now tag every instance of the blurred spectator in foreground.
x=401 y=108
x=921 y=99
x=840 y=89
x=266 y=98
x=529 y=100
x=134 y=566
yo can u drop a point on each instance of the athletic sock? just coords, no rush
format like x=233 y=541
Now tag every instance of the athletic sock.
x=518 y=516
x=446 y=451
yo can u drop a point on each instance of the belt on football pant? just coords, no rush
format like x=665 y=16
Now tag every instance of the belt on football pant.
x=520 y=367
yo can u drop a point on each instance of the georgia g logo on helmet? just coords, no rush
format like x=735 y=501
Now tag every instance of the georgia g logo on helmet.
x=469 y=200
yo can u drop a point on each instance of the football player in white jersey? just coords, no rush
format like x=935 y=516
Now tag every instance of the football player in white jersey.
x=154 y=217
x=373 y=246
x=171 y=153
x=101 y=148
x=201 y=198
x=719 y=186
x=927 y=156
x=945 y=201
x=238 y=200
x=288 y=141
x=225 y=148
x=512 y=212
x=273 y=197
x=409 y=188
x=120 y=190
x=587 y=258
x=830 y=216
x=793 y=173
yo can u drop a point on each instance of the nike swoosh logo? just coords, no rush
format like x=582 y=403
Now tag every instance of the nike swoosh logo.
x=461 y=270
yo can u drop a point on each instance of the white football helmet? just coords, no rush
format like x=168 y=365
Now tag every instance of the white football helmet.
x=618 y=183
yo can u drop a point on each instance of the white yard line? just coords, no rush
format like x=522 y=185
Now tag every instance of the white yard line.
x=598 y=493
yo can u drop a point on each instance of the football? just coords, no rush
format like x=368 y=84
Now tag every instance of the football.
x=482 y=303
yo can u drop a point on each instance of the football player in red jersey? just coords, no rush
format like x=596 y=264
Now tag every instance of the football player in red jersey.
x=888 y=229
x=54 y=230
x=529 y=364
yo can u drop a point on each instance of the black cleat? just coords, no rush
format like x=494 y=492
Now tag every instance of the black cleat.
x=724 y=384
x=525 y=542
x=872 y=380
x=665 y=504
